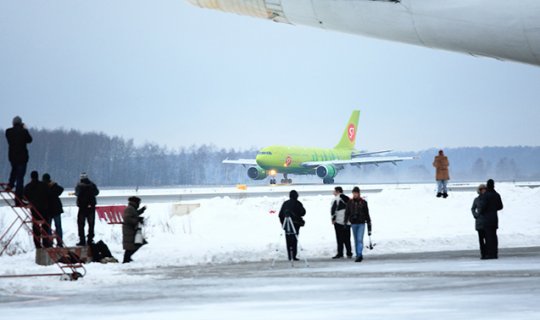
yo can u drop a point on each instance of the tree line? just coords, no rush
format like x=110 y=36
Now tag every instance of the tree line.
x=117 y=162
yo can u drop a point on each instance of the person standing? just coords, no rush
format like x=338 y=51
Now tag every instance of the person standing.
x=86 y=192
x=37 y=193
x=55 y=206
x=479 y=220
x=442 y=174
x=293 y=209
x=132 y=218
x=18 y=137
x=491 y=202
x=357 y=214
x=342 y=228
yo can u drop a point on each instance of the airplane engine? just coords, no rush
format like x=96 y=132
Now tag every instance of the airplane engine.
x=328 y=171
x=257 y=173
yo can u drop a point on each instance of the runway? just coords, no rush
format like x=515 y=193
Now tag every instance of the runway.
x=194 y=193
x=426 y=285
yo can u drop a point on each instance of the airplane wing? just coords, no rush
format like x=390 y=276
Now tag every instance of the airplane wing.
x=244 y=162
x=364 y=154
x=357 y=161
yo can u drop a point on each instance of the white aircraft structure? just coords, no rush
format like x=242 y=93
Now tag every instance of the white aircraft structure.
x=501 y=29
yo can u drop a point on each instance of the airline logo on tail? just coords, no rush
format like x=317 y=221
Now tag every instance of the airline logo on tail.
x=348 y=138
x=352 y=132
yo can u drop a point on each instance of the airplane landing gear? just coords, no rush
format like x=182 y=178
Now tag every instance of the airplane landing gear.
x=328 y=180
x=285 y=180
x=273 y=181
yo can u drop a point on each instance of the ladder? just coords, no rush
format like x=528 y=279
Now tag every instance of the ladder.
x=70 y=269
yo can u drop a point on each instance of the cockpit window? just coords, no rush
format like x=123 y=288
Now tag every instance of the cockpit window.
x=268 y=153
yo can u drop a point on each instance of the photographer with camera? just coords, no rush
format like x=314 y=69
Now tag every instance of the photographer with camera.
x=130 y=228
x=357 y=214
x=294 y=210
x=18 y=137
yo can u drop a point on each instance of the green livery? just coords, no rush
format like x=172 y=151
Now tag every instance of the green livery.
x=325 y=163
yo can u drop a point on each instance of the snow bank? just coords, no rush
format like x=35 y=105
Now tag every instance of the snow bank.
x=405 y=219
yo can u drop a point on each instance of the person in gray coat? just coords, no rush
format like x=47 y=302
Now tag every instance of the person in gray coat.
x=479 y=220
x=132 y=218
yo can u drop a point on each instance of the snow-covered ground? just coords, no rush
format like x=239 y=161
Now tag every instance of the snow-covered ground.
x=203 y=246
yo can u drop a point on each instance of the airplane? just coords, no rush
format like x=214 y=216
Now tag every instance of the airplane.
x=501 y=29
x=325 y=163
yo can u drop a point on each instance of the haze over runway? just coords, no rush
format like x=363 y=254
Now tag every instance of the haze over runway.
x=170 y=73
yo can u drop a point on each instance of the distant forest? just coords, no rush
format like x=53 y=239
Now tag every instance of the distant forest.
x=117 y=162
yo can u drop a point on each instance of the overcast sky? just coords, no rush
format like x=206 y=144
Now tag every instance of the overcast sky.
x=166 y=72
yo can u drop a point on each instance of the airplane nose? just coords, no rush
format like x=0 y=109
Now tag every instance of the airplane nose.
x=255 y=8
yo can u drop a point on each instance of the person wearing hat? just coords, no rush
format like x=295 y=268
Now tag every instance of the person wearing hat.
x=442 y=174
x=55 y=206
x=86 y=192
x=295 y=210
x=479 y=220
x=490 y=204
x=18 y=137
x=132 y=218
x=357 y=214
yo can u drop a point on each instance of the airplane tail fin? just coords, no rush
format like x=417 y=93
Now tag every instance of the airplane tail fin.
x=348 y=139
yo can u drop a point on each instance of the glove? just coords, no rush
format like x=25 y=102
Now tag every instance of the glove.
x=142 y=210
x=369 y=229
x=141 y=219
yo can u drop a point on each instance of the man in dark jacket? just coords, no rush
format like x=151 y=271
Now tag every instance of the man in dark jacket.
x=132 y=218
x=491 y=202
x=342 y=228
x=357 y=214
x=55 y=206
x=294 y=210
x=37 y=193
x=18 y=137
x=86 y=192
x=479 y=220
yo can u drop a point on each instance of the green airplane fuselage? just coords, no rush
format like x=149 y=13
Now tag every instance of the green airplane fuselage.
x=284 y=159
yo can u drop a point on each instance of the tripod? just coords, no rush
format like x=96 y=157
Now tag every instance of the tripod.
x=288 y=229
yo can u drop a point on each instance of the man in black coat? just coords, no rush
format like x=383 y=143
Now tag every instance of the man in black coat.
x=294 y=210
x=55 y=206
x=479 y=220
x=86 y=192
x=491 y=202
x=37 y=193
x=342 y=228
x=18 y=137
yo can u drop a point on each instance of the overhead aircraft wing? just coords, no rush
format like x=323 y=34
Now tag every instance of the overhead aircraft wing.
x=244 y=162
x=357 y=161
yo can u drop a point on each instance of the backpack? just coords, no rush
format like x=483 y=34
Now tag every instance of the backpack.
x=99 y=251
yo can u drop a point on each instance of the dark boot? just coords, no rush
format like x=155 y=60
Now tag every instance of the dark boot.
x=127 y=256
x=439 y=194
x=445 y=195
